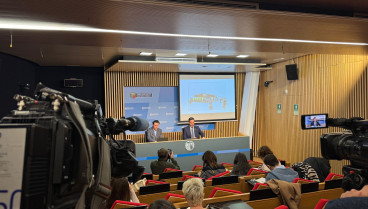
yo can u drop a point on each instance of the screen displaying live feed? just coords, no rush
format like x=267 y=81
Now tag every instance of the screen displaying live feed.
x=207 y=97
x=314 y=121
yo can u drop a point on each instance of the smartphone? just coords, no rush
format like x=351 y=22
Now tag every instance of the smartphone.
x=314 y=121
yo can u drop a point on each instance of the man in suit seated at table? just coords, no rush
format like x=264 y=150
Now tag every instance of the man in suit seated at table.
x=278 y=171
x=192 y=131
x=154 y=133
x=314 y=123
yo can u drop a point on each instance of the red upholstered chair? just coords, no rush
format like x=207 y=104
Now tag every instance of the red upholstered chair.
x=218 y=192
x=254 y=171
x=197 y=168
x=254 y=164
x=153 y=182
x=125 y=204
x=282 y=207
x=175 y=198
x=302 y=181
x=226 y=173
x=333 y=176
x=188 y=177
x=321 y=204
x=170 y=170
x=259 y=186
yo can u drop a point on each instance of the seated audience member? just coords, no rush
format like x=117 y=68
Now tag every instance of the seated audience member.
x=154 y=132
x=162 y=163
x=262 y=152
x=278 y=171
x=121 y=190
x=210 y=166
x=161 y=204
x=241 y=165
x=350 y=199
x=193 y=192
x=321 y=166
x=305 y=171
x=192 y=131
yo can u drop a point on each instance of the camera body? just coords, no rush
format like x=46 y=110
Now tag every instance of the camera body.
x=350 y=145
x=169 y=155
x=65 y=157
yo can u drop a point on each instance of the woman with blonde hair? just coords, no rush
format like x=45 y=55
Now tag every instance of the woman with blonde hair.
x=193 y=192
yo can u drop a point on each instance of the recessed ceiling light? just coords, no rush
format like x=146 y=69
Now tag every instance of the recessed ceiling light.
x=242 y=56
x=145 y=53
x=212 y=55
x=180 y=54
x=12 y=24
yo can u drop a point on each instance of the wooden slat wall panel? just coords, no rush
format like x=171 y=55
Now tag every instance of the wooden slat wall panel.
x=115 y=82
x=333 y=84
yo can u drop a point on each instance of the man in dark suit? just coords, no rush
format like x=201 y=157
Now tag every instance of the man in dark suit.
x=192 y=131
x=154 y=132
x=315 y=123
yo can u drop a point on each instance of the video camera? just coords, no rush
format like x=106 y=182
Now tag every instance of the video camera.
x=55 y=154
x=169 y=155
x=351 y=145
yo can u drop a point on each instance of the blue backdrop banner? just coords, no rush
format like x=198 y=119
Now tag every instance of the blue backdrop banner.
x=156 y=103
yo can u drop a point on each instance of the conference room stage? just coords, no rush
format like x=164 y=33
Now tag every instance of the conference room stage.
x=189 y=152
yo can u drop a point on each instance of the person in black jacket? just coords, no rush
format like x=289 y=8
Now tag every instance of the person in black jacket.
x=210 y=166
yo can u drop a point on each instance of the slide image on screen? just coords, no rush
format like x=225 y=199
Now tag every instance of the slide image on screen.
x=315 y=121
x=207 y=97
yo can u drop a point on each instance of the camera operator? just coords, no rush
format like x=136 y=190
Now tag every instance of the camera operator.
x=162 y=163
x=350 y=199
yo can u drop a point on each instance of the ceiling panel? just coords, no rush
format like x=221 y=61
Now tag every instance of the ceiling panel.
x=98 y=49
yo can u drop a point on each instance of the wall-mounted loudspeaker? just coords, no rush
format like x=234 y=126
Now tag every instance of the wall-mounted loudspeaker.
x=292 y=72
x=73 y=83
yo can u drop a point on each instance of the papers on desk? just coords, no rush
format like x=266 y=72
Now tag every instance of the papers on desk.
x=259 y=180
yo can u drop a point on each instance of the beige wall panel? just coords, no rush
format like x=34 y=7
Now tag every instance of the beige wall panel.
x=333 y=84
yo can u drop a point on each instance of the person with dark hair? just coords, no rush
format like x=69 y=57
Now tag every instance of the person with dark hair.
x=162 y=163
x=121 y=190
x=192 y=131
x=320 y=165
x=241 y=165
x=314 y=123
x=161 y=204
x=278 y=171
x=210 y=166
x=262 y=152
x=154 y=133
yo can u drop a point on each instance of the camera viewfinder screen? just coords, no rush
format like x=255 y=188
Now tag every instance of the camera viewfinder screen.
x=315 y=121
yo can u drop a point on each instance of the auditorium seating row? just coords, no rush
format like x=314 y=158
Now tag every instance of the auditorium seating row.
x=226 y=188
x=238 y=184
